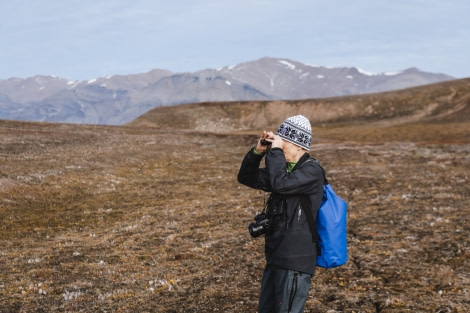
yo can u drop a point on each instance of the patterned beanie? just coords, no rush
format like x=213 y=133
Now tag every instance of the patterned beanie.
x=297 y=130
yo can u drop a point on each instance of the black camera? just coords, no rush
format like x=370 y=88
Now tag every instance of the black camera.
x=260 y=226
x=264 y=142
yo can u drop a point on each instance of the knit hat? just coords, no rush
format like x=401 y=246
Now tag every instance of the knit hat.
x=297 y=130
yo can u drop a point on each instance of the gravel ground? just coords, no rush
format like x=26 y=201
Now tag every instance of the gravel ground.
x=116 y=219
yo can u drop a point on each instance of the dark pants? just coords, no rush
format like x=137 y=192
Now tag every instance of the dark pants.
x=283 y=291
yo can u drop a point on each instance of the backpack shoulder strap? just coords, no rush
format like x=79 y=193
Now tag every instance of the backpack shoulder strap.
x=316 y=162
x=306 y=203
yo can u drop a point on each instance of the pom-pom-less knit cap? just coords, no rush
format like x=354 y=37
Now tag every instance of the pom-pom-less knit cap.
x=297 y=130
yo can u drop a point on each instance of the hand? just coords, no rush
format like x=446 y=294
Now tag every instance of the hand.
x=277 y=142
x=266 y=136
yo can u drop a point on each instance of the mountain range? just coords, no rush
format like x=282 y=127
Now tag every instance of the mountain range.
x=119 y=99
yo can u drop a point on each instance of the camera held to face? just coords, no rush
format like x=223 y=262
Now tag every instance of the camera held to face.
x=260 y=226
x=264 y=142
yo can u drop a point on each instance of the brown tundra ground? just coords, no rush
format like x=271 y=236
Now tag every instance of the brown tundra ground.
x=121 y=219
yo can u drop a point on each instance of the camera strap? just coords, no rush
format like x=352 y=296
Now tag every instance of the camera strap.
x=265 y=203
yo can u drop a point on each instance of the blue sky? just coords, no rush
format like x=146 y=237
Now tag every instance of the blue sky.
x=84 y=39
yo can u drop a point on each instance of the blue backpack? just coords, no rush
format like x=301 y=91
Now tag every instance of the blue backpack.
x=329 y=229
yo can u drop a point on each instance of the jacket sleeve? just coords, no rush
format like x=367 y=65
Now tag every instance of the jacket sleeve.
x=305 y=180
x=251 y=175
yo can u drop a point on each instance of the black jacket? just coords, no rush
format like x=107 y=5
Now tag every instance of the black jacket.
x=289 y=240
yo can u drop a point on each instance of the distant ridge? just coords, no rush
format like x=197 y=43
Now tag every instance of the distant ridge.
x=119 y=99
x=440 y=103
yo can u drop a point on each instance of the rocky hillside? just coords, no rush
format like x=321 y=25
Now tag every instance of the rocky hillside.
x=447 y=102
x=116 y=100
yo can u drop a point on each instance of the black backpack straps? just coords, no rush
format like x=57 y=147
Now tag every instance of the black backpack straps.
x=315 y=161
x=305 y=200
x=304 y=158
x=307 y=206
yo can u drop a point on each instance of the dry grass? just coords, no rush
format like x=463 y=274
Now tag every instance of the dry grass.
x=121 y=219
x=447 y=102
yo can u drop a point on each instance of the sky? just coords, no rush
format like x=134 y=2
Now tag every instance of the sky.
x=86 y=39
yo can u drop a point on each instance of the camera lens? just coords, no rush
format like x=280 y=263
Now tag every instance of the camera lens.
x=264 y=142
x=260 y=226
x=256 y=230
